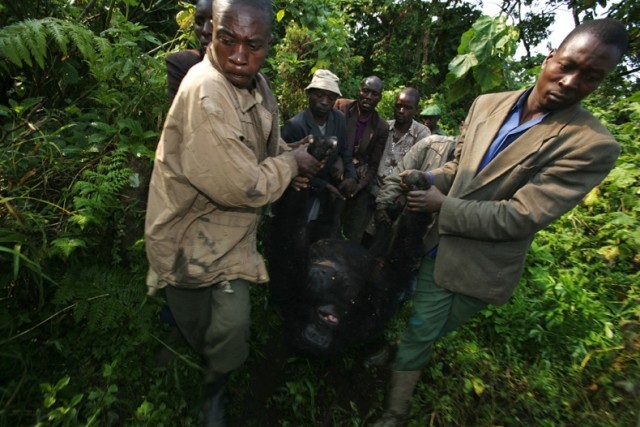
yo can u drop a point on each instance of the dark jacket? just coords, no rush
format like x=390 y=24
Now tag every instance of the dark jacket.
x=178 y=64
x=374 y=138
x=303 y=124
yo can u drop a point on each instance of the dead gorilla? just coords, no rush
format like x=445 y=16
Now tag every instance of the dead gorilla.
x=333 y=293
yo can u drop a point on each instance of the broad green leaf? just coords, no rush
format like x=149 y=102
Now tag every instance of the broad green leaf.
x=625 y=175
x=481 y=46
x=464 y=41
x=478 y=386
x=461 y=64
x=458 y=90
x=592 y=198
x=485 y=24
x=488 y=77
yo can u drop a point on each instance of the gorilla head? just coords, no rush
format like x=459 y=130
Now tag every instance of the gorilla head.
x=334 y=292
x=319 y=315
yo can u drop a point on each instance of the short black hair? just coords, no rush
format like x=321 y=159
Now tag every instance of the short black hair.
x=372 y=78
x=265 y=6
x=412 y=92
x=608 y=31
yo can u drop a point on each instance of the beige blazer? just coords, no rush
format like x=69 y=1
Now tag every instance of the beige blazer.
x=488 y=220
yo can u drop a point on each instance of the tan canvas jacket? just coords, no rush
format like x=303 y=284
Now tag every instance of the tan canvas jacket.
x=216 y=166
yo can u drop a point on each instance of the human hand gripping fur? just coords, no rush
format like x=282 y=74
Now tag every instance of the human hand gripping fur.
x=429 y=200
x=319 y=150
x=301 y=182
x=349 y=187
x=308 y=165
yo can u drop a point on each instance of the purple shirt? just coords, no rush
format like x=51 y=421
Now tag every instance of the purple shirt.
x=361 y=124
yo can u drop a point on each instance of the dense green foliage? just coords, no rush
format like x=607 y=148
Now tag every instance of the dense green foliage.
x=81 y=110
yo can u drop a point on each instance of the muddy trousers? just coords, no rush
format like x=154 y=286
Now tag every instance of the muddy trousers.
x=436 y=311
x=215 y=321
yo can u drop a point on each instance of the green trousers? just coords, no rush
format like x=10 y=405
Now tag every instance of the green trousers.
x=215 y=321
x=436 y=311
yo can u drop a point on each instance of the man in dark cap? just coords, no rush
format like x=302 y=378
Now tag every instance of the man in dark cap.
x=430 y=118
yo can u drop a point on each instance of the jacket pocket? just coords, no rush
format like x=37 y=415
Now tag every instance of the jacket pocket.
x=517 y=179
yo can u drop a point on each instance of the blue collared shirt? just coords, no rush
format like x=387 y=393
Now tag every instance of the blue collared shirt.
x=510 y=130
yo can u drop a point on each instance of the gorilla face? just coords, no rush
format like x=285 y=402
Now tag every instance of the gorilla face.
x=330 y=292
x=326 y=301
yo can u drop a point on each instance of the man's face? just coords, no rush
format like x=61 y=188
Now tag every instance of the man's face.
x=431 y=122
x=405 y=108
x=202 y=26
x=572 y=73
x=321 y=101
x=241 y=41
x=369 y=95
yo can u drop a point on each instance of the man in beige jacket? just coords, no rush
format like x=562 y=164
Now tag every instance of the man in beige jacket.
x=219 y=161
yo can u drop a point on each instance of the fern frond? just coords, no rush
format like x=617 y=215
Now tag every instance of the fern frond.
x=8 y=50
x=58 y=35
x=103 y=299
x=83 y=39
x=104 y=48
x=14 y=48
x=28 y=41
x=96 y=194
x=36 y=39
x=64 y=246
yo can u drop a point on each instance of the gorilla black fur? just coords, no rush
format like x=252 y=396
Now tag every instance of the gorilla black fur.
x=333 y=293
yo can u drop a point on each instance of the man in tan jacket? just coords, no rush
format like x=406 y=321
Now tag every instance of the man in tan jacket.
x=219 y=161
x=523 y=160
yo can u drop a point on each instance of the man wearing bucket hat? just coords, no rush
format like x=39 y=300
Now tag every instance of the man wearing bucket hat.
x=328 y=187
x=430 y=116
